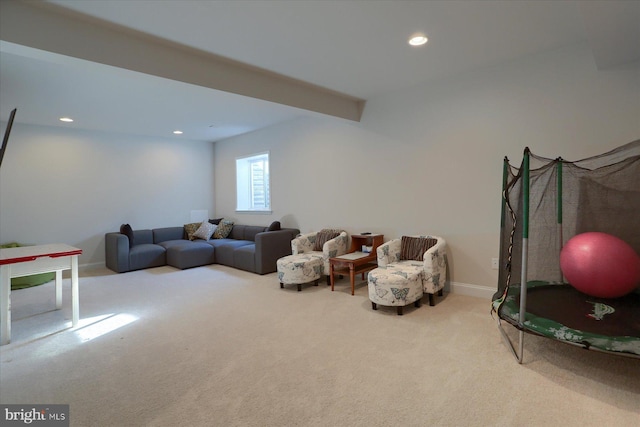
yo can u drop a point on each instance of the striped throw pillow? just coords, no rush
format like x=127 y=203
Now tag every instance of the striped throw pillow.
x=413 y=248
x=323 y=237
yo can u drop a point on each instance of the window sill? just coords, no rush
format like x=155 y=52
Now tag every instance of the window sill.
x=254 y=212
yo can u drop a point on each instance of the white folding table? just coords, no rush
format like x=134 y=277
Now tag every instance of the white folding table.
x=26 y=260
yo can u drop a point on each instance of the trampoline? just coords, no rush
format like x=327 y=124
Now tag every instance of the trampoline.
x=546 y=202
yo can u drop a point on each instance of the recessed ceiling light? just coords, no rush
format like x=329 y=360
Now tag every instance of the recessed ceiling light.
x=418 y=40
x=66 y=119
x=177 y=132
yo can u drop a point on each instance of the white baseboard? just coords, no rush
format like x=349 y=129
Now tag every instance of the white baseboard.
x=90 y=267
x=471 y=290
x=85 y=268
x=468 y=289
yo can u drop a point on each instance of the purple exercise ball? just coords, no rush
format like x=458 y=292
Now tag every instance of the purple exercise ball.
x=600 y=265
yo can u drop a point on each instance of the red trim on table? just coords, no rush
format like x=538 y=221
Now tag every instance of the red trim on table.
x=33 y=257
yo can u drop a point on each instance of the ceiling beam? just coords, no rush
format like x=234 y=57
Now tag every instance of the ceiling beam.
x=55 y=29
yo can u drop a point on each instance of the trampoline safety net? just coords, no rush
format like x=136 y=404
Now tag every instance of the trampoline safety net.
x=565 y=198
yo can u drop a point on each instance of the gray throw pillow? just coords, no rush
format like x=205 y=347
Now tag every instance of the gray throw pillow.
x=205 y=231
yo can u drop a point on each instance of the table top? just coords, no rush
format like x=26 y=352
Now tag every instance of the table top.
x=30 y=253
x=354 y=258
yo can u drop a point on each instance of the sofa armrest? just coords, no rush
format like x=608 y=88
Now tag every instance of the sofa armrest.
x=303 y=243
x=388 y=252
x=116 y=252
x=271 y=246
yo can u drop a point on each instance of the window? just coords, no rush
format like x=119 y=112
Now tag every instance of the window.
x=252 y=183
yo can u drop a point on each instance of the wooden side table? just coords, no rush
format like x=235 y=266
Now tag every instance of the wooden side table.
x=356 y=261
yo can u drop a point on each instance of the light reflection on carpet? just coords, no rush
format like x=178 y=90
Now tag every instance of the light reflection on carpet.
x=97 y=326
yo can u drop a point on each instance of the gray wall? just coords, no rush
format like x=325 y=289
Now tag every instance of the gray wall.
x=429 y=159
x=70 y=186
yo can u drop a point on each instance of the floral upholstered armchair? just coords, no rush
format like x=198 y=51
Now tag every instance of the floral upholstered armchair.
x=423 y=254
x=325 y=244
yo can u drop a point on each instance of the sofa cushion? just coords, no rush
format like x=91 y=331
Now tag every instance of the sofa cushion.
x=232 y=243
x=172 y=243
x=237 y=232
x=244 y=258
x=223 y=230
x=142 y=237
x=413 y=248
x=251 y=231
x=190 y=254
x=127 y=231
x=224 y=253
x=168 y=233
x=215 y=221
x=246 y=232
x=218 y=242
x=146 y=255
x=205 y=231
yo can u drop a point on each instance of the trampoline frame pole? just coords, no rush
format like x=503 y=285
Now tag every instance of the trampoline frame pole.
x=525 y=249
x=559 y=210
x=505 y=171
x=503 y=200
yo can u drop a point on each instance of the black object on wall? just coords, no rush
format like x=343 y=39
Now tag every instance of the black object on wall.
x=7 y=131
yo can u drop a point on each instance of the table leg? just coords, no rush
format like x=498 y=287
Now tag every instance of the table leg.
x=331 y=275
x=75 y=297
x=58 y=289
x=5 y=304
x=352 y=276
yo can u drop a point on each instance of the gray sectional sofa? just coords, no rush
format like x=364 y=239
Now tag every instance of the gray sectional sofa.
x=247 y=247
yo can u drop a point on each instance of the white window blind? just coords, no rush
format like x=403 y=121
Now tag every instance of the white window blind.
x=252 y=183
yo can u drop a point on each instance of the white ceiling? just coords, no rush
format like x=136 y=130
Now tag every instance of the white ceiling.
x=356 y=48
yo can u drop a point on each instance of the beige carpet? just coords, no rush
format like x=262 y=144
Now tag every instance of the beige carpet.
x=215 y=346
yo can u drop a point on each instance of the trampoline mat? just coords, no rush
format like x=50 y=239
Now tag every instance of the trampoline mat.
x=561 y=312
x=572 y=308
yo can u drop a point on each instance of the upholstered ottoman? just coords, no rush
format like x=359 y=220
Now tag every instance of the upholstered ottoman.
x=394 y=287
x=189 y=254
x=300 y=268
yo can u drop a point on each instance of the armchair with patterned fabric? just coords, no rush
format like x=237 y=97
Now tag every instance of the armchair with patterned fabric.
x=419 y=257
x=326 y=243
x=310 y=257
